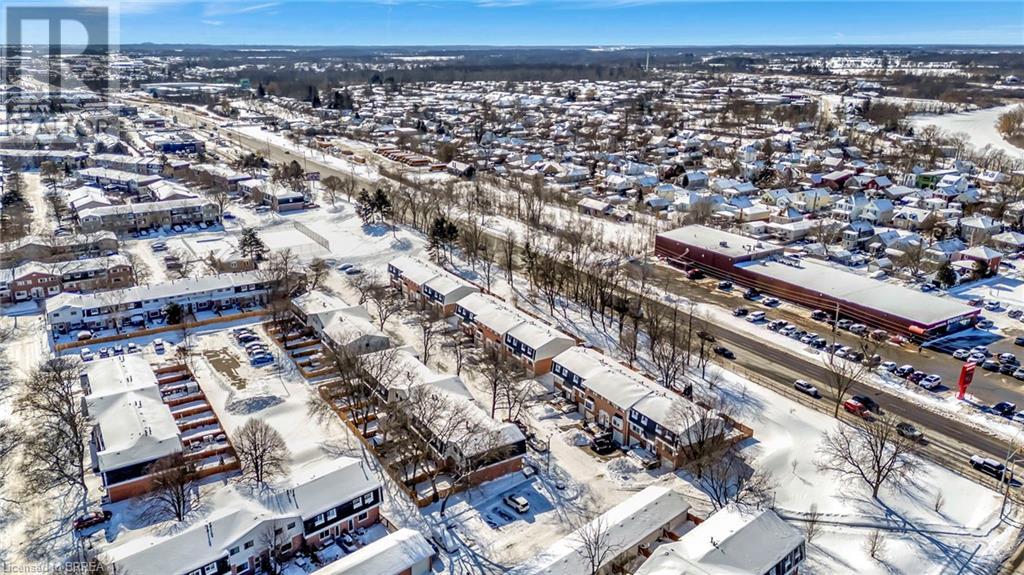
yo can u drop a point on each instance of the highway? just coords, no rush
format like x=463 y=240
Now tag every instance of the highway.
x=950 y=441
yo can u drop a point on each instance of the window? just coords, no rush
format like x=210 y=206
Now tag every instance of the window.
x=589 y=404
x=196 y=572
x=332 y=514
x=319 y=520
x=210 y=569
x=278 y=530
x=362 y=516
x=291 y=526
x=286 y=547
x=357 y=503
x=242 y=568
x=617 y=422
x=234 y=550
x=248 y=544
x=324 y=534
x=368 y=498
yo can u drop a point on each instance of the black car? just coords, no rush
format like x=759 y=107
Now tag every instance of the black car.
x=1004 y=408
x=1007 y=368
x=917 y=376
x=726 y=286
x=819 y=315
x=1019 y=340
x=724 y=352
x=602 y=444
x=990 y=365
x=751 y=294
x=855 y=356
x=990 y=467
x=868 y=403
x=740 y=311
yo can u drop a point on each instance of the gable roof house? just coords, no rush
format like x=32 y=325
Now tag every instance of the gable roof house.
x=428 y=285
x=338 y=324
x=978 y=229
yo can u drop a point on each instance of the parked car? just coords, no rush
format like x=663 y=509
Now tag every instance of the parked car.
x=931 y=382
x=917 y=377
x=927 y=287
x=990 y=365
x=787 y=329
x=804 y=387
x=118 y=349
x=980 y=349
x=1019 y=340
x=724 y=352
x=992 y=305
x=855 y=355
x=819 y=315
x=990 y=467
x=1007 y=368
x=903 y=370
x=158 y=246
x=770 y=301
x=91 y=519
x=961 y=354
x=133 y=347
x=517 y=502
x=1018 y=417
x=86 y=354
x=1018 y=373
x=889 y=366
x=84 y=335
x=808 y=338
x=258 y=360
x=844 y=324
x=1015 y=313
x=742 y=311
x=858 y=329
x=751 y=294
x=602 y=444
x=984 y=323
x=726 y=286
x=105 y=352
x=644 y=458
x=756 y=316
x=909 y=431
x=158 y=345
x=1007 y=358
x=1004 y=408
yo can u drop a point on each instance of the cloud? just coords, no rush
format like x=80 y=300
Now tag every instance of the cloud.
x=236 y=7
x=213 y=22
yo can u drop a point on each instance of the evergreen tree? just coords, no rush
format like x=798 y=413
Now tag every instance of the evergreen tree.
x=250 y=244
x=945 y=275
x=364 y=207
x=261 y=92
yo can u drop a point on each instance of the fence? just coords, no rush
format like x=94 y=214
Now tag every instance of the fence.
x=156 y=330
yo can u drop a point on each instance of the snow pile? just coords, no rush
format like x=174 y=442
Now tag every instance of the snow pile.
x=623 y=470
x=575 y=438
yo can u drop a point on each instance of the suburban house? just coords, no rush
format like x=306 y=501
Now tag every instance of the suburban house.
x=404 y=552
x=633 y=525
x=638 y=412
x=428 y=285
x=148 y=215
x=735 y=540
x=979 y=229
x=496 y=325
x=148 y=165
x=319 y=503
x=57 y=248
x=338 y=324
x=36 y=280
x=139 y=304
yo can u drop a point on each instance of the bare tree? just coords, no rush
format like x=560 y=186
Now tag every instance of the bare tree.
x=701 y=432
x=387 y=301
x=173 y=491
x=875 y=454
x=874 y=545
x=500 y=374
x=317 y=272
x=429 y=329
x=462 y=347
x=272 y=538
x=182 y=264
x=261 y=451
x=595 y=544
x=812 y=523
x=843 y=373
x=728 y=479
x=56 y=431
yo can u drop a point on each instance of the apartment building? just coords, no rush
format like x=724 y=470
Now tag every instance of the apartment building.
x=148 y=215
x=318 y=503
x=495 y=325
x=636 y=410
x=428 y=285
x=141 y=304
x=37 y=281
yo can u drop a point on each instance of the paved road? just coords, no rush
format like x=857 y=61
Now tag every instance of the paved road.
x=777 y=365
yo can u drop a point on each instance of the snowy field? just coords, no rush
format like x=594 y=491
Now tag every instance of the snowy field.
x=979 y=125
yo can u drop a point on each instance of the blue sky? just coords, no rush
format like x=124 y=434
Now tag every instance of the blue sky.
x=570 y=22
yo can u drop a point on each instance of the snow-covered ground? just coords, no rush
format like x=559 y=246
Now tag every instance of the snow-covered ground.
x=979 y=125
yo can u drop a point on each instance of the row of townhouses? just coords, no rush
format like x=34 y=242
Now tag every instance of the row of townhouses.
x=36 y=281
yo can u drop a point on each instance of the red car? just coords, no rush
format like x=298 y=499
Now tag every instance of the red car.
x=91 y=519
x=857 y=408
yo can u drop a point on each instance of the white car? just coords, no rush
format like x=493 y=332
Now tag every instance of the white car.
x=961 y=354
x=517 y=502
x=931 y=382
x=787 y=330
x=888 y=365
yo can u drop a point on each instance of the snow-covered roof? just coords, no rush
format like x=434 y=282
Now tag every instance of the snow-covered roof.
x=396 y=553
x=238 y=517
x=415 y=269
x=125 y=404
x=627 y=525
x=733 y=541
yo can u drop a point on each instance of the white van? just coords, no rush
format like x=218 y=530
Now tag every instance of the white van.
x=756 y=316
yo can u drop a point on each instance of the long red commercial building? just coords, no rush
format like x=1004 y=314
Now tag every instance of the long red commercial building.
x=766 y=267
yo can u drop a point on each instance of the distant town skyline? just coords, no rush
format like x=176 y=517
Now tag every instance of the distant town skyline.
x=570 y=22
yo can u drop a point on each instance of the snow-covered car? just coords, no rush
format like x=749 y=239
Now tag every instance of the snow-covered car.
x=133 y=347
x=787 y=330
x=158 y=345
x=86 y=354
x=992 y=305
x=984 y=323
x=91 y=519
